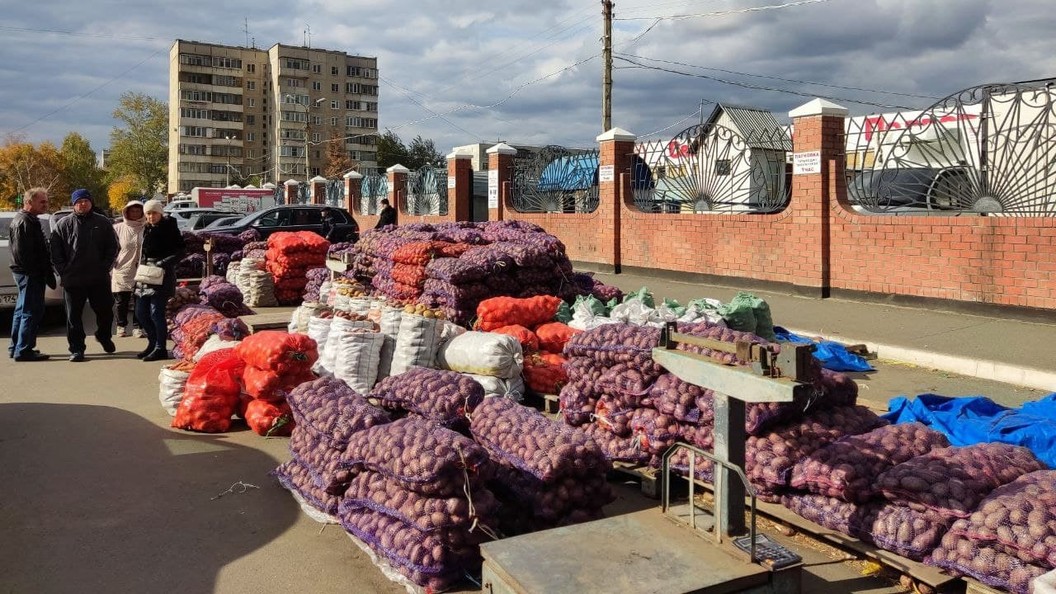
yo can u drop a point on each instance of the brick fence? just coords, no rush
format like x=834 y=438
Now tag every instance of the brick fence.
x=817 y=245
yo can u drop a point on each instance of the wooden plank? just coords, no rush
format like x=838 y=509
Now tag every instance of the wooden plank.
x=267 y=321
x=647 y=477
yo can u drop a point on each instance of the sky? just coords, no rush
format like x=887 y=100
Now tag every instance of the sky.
x=460 y=72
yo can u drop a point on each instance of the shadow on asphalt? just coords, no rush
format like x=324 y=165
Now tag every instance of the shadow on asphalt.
x=97 y=499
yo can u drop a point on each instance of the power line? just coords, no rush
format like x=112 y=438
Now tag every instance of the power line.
x=757 y=87
x=80 y=34
x=790 y=80
x=407 y=94
x=679 y=17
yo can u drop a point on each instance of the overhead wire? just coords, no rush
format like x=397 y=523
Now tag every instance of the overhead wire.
x=679 y=17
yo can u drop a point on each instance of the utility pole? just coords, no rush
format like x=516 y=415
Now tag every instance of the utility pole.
x=606 y=81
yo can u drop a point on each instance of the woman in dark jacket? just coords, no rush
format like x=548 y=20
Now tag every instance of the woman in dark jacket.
x=162 y=246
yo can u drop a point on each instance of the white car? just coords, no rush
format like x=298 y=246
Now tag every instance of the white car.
x=8 y=288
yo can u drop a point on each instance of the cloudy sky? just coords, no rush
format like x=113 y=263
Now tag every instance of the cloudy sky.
x=530 y=72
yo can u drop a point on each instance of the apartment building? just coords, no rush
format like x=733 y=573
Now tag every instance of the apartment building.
x=243 y=115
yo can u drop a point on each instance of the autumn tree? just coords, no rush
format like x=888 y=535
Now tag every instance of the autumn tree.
x=121 y=190
x=24 y=166
x=80 y=169
x=338 y=162
x=139 y=144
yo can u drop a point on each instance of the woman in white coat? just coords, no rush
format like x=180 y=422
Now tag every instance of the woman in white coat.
x=123 y=280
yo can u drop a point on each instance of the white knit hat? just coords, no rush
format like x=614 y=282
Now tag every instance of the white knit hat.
x=154 y=206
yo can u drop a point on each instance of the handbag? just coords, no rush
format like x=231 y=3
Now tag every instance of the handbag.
x=149 y=274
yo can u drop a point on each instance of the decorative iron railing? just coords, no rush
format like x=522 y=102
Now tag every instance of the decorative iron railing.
x=557 y=180
x=427 y=191
x=987 y=150
x=335 y=193
x=373 y=188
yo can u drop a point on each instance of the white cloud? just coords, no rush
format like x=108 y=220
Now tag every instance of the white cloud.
x=439 y=57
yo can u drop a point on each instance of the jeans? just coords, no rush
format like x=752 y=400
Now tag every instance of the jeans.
x=150 y=309
x=29 y=311
x=123 y=300
x=102 y=303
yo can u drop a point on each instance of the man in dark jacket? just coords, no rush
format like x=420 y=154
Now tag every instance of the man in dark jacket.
x=329 y=224
x=83 y=250
x=31 y=267
x=387 y=216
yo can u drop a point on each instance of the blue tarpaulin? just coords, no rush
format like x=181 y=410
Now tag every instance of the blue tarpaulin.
x=968 y=420
x=832 y=355
x=579 y=172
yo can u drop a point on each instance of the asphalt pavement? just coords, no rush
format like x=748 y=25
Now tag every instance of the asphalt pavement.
x=100 y=495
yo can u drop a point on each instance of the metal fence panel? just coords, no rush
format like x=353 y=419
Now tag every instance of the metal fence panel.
x=335 y=193
x=427 y=191
x=373 y=188
x=556 y=179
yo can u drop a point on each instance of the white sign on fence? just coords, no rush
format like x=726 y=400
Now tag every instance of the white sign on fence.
x=451 y=183
x=493 y=188
x=606 y=173
x=806 y=163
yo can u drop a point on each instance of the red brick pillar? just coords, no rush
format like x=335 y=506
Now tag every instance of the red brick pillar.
x=500 y=176
x=398 y=188
x=317 y=190
x=290 y=191
x=817 y=162
x=614 y=166
x=459 y=186
x=353 y=190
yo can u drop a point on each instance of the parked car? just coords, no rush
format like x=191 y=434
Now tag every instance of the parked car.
x=294 y=217
x=183 y=216
x=200 y=220
x=911 y=188
x=8 y=288
x=180 y=205
x=222 y=222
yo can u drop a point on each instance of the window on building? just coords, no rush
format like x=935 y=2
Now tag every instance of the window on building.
x=333 y=104
x=251 y=102
x=251 y=137
x=317 y=68
x=333 y=121
x=317 y=86
x=251 y=85
x=251 y=68
x=251 y=119
x=335 y=88
x=333 y=71
x=222 y=62
x=317 y=137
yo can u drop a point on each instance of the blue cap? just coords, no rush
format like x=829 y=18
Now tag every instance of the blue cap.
x=80 y=194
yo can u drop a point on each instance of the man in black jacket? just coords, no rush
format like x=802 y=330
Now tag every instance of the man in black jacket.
x=83 y=250
x=31 y=267
x=387 y=216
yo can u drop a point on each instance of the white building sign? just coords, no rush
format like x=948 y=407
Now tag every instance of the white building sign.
x=493 y=188
x=806 y=163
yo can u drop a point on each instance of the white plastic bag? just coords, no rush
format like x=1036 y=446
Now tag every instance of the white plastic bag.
x=171 y=384
x=416 y=343
x=635 y=312
x=389 y=326
x=512 y=388
x=483 y=353
x=213 y=343
x=1045 y=583
x=356 y=360
x=319 y=331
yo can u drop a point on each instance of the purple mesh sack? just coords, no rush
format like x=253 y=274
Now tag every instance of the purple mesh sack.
x=853 y=519
x=422 y=557
x=610 y=344
x=329 y=409
x=321 y=460
x=769 y=459
x=633 y=384
x=682 y=400
x=577 y=407
x=989 y=565
x=1018 y=518
x=550 y=503
x=523 y=438
x=296 y=478
x=459 y=521
x=445 y=397
x=655 y=431
x=952 y=481
x=847 y=468
x=614 y=447
x=419 y=456
x=910 y=533
x=614 y=415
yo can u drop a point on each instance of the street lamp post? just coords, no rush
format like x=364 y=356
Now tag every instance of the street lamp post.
x=227 y=171
x=307 y=112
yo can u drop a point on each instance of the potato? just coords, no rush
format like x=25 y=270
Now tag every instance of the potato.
x=851 y=519
x=296 y=477
x=961 y=556
x=909 y=533
x=445 y=397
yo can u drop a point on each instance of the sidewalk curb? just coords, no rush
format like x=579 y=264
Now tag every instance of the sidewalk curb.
x=1028 y=377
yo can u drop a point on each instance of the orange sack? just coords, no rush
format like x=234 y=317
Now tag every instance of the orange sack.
x=508 y=311
x=211 y=395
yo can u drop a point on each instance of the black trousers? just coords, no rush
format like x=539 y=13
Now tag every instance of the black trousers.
x=124 y=302
x=102 y=303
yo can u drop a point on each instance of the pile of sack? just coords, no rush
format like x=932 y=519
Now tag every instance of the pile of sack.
x=289 y=258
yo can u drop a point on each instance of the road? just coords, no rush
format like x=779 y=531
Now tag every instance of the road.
x=100 y=495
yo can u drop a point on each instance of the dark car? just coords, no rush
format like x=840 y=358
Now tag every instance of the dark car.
x=200 y=220
x=942 y=188
x=294 y=217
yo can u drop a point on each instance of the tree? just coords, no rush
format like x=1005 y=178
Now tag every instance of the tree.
x=121 y=190
x=24 y=166
x=338 y=162
x=391 y=151
x=80 y=169
x=139 y=149
x=423 y=152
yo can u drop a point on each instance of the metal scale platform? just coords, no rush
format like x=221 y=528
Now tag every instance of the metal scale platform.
x=678 y=548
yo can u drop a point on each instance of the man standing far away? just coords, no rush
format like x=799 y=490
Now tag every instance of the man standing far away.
x=387 y=216
x=31 y=267
x=83 y=250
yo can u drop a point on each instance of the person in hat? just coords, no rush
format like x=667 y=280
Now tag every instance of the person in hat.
x=387 y=216
x=163 y=246
x=130 y=237
x=84 y=248
x=31 y=268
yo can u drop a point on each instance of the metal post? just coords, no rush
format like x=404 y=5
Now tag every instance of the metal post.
x=606 y=79
x=729 y=446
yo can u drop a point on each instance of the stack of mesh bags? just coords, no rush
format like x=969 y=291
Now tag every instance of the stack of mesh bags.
x=225 y=297
x=455 y=266
x=1010 y=539
x=546 y=473
x=258 y=289
x=417 y=500
x=326 y=413
x=289 y=258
